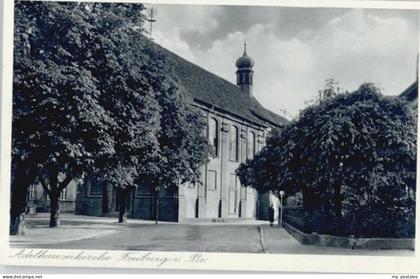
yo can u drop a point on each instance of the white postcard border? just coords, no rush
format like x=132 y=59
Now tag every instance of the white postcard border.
x=213 y=261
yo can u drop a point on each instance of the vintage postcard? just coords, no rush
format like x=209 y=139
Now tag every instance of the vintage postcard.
x=256 y=135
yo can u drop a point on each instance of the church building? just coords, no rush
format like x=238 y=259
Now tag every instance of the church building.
x=237 y=127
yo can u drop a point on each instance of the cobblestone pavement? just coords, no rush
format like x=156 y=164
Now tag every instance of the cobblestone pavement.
x=78 y=232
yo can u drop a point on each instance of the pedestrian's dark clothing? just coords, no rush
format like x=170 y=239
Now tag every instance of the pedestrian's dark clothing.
x=271 y=215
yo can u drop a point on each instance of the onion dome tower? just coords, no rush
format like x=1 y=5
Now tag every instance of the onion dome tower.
x=244 y=73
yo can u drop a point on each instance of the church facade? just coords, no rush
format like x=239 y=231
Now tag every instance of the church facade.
x=237 y=127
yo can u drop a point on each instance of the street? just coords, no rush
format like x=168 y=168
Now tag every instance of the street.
x=99 y=233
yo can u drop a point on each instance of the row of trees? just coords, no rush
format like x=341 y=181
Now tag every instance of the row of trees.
x=352 y=156
x=92 y=97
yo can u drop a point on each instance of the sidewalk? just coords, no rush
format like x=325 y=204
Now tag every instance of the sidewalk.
x=72 y=228
x=112 y=220
x=249 y=236
x=81 y=227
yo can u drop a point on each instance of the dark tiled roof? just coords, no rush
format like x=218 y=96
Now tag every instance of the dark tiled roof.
x=210 y=89
x=411 y=93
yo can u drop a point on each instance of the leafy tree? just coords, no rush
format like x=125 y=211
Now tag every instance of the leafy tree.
x=105 y=106
x=159 y=140
x=353 y=157
x=183 y=147
x=131 y=80
x=59 y=128
x=91 y=40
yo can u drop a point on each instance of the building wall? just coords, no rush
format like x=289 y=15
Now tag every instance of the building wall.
x=89 y=198
x=38 y=197
x=97 y=198
x=220 y=194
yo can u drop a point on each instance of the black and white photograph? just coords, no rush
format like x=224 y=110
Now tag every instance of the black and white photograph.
x=228 y=128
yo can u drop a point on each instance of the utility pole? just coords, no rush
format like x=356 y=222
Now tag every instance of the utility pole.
x=151 y=19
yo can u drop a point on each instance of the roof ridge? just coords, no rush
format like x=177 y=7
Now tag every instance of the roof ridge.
x=409 y=93
x=198 y=66
x=213 y=89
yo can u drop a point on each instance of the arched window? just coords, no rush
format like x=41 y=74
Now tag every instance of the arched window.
x=233 y=143
x=214 y=135
x=246 y=78
x=251 y=145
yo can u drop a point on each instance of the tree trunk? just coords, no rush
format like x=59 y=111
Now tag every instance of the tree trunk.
x=327 y=224
x=54 y=194
x=338 y=209
x=17 y=210
x=156 y=207
x=122 y=216
x=54 y=209
x=156 y=194
x=19 y=189
x=105 y=200
x=308 y=208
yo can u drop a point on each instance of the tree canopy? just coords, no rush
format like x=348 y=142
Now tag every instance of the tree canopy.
x=353 y=157
x=59 y=126
x=92 y=96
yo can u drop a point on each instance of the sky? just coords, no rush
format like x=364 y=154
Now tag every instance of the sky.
x=295 y=49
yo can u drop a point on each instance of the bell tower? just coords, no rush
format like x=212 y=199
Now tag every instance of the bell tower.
x=244 y=72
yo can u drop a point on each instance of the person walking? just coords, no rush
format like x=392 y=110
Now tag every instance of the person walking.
x=271 y=215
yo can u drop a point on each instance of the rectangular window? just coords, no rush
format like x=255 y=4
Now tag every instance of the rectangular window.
x=233 y=143
x=32 y=192
x=211 y=180
x=63 y=194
